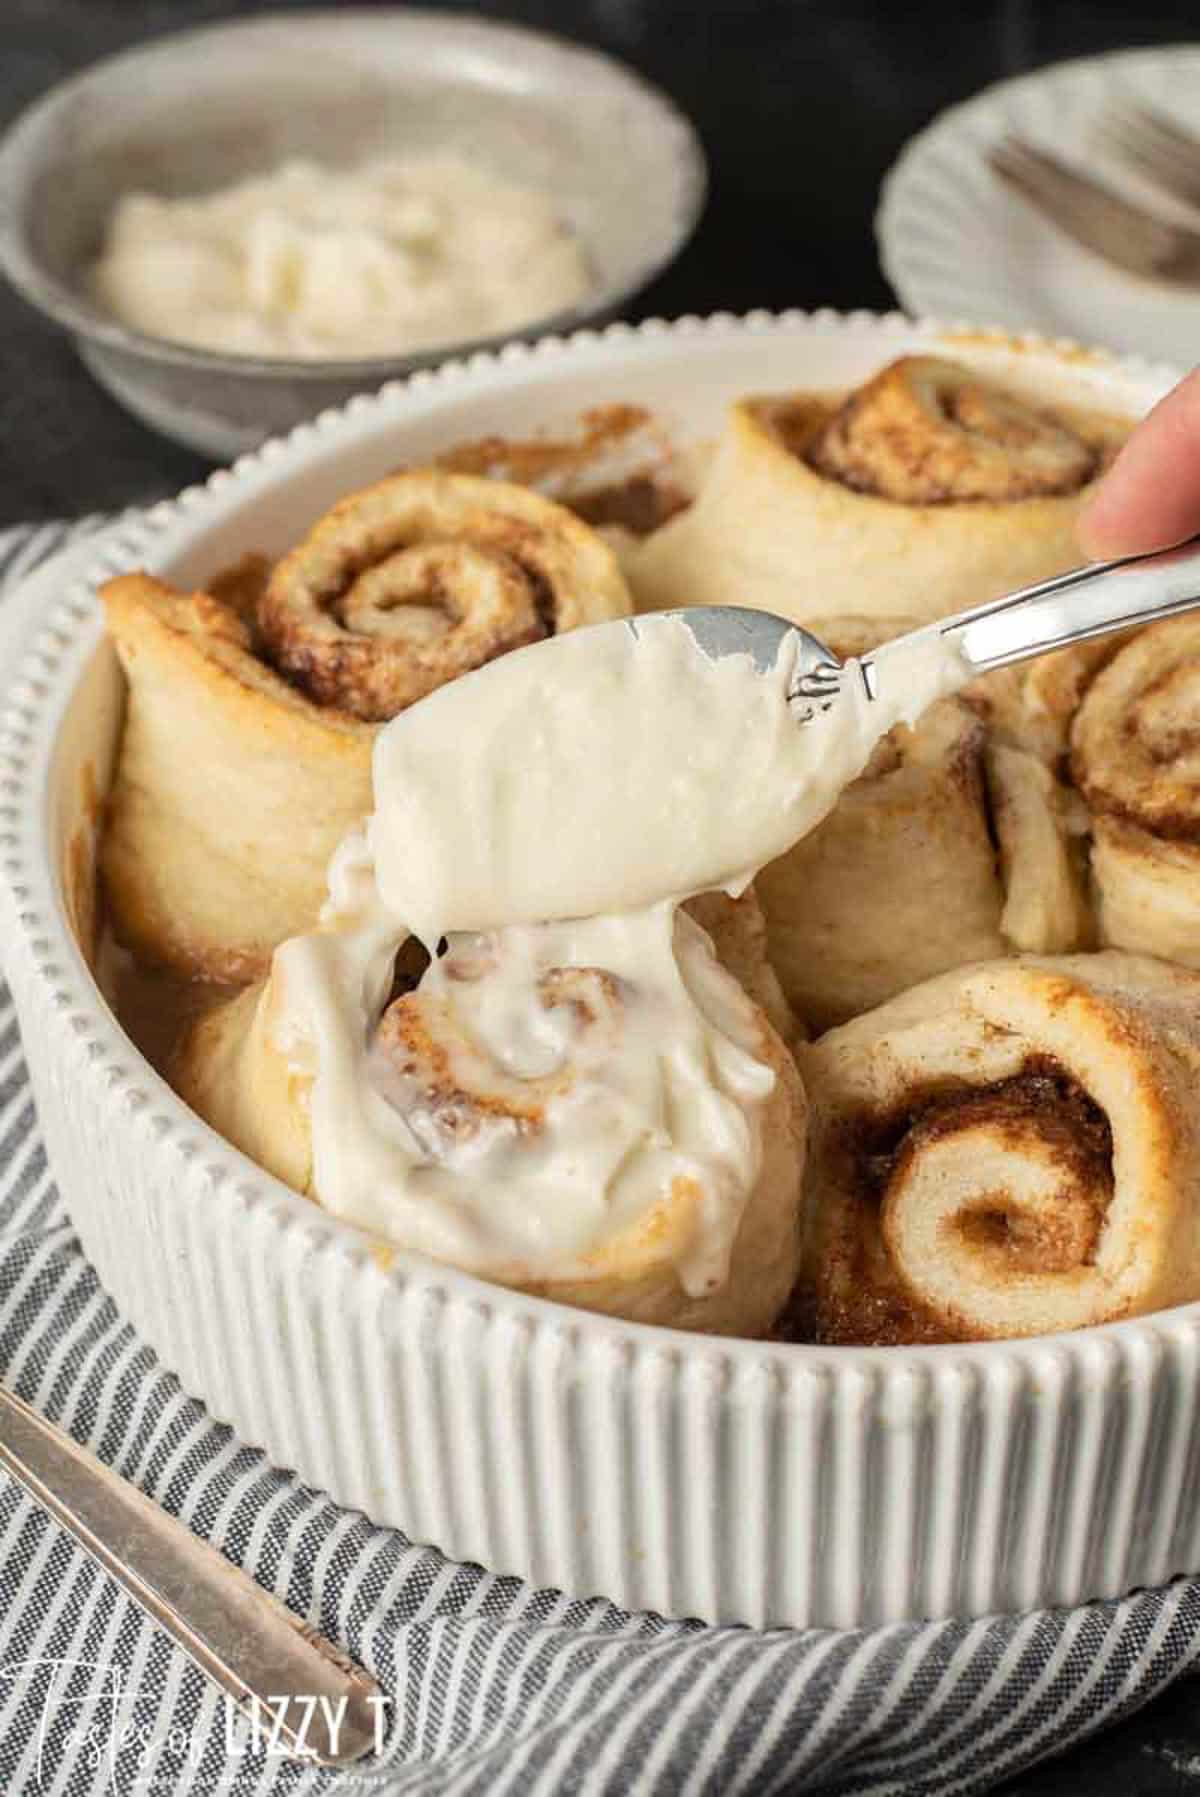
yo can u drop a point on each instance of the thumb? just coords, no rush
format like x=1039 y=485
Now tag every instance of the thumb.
x=1150 y=497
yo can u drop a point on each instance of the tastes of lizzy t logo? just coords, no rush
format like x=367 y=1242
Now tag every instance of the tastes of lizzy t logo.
x=89 y=1714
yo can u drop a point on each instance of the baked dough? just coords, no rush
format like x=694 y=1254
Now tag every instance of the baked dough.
x=927 y=490
x=903 y=879
x=231 y=1070
x=252 y=712
x=1005 y=1150
x=1136 y=760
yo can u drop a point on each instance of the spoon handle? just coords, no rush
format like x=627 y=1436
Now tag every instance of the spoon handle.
x=1087 y=602
x=295 y=1686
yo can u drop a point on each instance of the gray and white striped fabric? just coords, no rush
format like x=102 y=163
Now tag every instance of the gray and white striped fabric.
x=493 y=1687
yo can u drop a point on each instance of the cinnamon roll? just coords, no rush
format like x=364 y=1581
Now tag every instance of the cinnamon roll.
x=1005 y=1150
x=927 y=489
x=592 y=1112
x=1135 y=757
x=903 y=879
x=619 y=470
x=252 y=709
x=738 y=929
x=1041 y=835
x=1032 y=705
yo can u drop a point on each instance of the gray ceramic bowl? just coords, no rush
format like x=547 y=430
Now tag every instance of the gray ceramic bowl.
x=206 y=107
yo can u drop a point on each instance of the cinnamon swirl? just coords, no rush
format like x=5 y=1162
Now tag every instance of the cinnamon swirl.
x=1135 y=757
x=1005 y=1150
x=253 y=710
x=928 y=487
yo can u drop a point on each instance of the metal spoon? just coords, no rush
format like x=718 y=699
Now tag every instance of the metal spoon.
x=1087 y=602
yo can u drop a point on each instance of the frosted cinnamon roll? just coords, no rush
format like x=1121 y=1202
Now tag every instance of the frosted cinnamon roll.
x=1135 y=757
x=929 y=488
x=903 y=879
x=253 y=710
x=738 y=929
x=594 y=1112
x=1006 y=1150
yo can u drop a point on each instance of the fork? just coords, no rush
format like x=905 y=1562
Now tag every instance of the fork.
x=1153 y=145
x=1097 y=217
x=1087 y=602
x=297 y=1688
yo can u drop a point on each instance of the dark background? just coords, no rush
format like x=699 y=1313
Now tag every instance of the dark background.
x=802 y=105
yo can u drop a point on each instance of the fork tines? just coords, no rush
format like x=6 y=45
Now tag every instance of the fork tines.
x=1102 y=220
x=1154 y=145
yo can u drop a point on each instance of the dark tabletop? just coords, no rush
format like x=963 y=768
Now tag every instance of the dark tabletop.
x=802 y=105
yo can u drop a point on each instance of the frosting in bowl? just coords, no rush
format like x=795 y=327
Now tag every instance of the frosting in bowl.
x=397 y=255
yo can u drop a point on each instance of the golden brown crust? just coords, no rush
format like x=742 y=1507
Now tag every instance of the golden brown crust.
x=231 y=792
x=618 y=469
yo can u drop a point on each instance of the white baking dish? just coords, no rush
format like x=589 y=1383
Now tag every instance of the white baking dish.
x=728 y=1480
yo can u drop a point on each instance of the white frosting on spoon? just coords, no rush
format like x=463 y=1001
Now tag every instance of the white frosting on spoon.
x=604 y=770
x=577 y=1058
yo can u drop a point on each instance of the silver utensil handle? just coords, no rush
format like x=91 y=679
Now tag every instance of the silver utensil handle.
x=1087 y=602
x=294 y=1685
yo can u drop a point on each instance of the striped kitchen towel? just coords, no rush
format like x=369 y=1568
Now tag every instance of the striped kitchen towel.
x=492 y=1686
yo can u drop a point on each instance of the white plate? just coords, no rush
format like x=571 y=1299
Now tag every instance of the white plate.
x=731 y=1480
x=957 y=243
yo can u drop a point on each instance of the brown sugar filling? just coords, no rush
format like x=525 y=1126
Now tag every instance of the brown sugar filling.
x=867 y=1302
x=1043 y=1093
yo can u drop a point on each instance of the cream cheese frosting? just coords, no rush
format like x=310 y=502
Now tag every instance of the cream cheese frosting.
x=397 y=254
x=574 y=1057
x=609 y=769
x=545 y=1087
